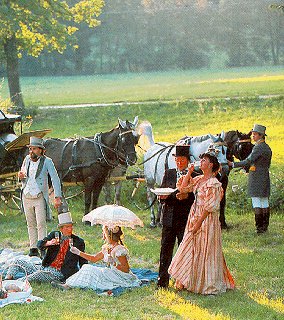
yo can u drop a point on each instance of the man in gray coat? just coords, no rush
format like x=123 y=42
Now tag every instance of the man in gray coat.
x=34 y=174
x=259 y=181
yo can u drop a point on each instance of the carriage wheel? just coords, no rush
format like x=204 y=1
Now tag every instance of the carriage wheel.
x=11 y=200
x=10 y=193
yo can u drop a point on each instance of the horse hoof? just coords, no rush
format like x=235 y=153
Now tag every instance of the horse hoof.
x=87 y=223
x=153 y=224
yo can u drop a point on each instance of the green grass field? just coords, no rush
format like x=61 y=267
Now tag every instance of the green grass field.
x=256 y=262
x=161 y=86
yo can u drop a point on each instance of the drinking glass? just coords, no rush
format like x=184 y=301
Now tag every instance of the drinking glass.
x=196 y=164
x=56 y=235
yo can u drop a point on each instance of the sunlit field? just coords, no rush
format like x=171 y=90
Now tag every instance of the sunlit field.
x=156 y=86
x=256 y=262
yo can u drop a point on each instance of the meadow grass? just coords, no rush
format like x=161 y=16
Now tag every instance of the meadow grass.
x=161 y=86
x=256 y=262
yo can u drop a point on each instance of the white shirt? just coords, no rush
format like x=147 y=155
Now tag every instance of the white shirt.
x=31 y=186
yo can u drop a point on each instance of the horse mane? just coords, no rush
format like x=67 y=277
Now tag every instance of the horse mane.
x=146 y=137
x=200 y=138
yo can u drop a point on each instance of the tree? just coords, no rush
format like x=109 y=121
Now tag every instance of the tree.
x=34 y=25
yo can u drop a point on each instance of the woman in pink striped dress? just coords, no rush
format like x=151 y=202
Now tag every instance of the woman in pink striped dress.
x=199 y=265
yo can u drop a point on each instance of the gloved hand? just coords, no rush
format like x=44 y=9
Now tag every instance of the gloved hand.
x=75 y=250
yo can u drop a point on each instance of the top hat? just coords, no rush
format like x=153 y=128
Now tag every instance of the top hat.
x=182 y=151
x=36 y=142
x=259 y=128
x=64 y=218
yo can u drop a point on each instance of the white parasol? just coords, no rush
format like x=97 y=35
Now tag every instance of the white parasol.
x=113 y=215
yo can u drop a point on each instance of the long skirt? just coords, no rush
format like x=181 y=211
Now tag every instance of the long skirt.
x=103 y=278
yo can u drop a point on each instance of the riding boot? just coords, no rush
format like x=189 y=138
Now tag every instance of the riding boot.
x=258 y=220
x=266 y=215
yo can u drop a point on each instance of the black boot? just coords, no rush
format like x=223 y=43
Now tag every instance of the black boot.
x=33 y=252
x=258 y=220
x=266 y=216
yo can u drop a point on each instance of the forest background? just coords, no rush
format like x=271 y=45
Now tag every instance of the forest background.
x=144 y=36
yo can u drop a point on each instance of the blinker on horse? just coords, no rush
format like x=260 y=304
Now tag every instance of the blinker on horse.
x=90 y=159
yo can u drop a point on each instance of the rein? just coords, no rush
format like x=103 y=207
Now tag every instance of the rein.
x=100 y=159
x=159 y=151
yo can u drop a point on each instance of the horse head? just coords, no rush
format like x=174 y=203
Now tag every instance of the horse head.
x=127 y=139
x=243 y=146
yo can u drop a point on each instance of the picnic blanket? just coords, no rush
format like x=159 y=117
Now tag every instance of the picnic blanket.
x=146 y=276
x=8 y=256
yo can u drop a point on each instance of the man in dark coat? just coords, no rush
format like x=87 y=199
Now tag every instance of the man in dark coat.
x=59 y=262
x=175 y=210
x=259 y=181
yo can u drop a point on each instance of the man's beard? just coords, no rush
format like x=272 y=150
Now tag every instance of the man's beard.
x=34 y=157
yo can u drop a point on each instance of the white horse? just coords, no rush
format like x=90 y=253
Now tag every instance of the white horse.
x=159 y=156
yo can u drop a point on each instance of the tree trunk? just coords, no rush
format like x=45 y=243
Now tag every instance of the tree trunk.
x=12 y=62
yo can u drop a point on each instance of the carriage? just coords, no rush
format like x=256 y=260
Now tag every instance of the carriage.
x=83 y=161
x=12 y=151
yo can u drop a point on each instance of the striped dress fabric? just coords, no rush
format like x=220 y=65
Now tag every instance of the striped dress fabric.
x=104 y=278
x=199 y=264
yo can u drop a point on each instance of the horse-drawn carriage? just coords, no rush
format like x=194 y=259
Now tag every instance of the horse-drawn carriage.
x=12 y=151
x=86 y=161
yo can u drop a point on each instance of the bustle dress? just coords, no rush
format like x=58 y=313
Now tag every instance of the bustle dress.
x=199 y=264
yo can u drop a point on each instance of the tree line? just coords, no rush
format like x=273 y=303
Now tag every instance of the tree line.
x=149 y=35
x=135 y=37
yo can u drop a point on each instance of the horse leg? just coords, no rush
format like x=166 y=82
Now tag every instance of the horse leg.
x=107 y=192
x=95 y=192
x=151 y=199
x=118 y=187
x=224 y=181
x=159 y=223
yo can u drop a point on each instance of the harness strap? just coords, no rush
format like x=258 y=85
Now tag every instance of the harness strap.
x=159 y=151
x=74 y=153
x=61 y=176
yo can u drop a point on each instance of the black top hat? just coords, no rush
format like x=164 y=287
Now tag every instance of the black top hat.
x=182 y=151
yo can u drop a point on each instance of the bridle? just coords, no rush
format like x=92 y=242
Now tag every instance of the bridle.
x=237 y=147
x=124 y=156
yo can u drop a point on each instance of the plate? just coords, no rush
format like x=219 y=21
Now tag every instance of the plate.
x=163 y=191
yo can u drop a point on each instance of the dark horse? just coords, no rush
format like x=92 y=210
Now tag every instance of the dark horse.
x=239 y=146
x=89 y=160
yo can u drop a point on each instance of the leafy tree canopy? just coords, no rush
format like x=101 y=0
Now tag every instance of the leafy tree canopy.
x=45 y=24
